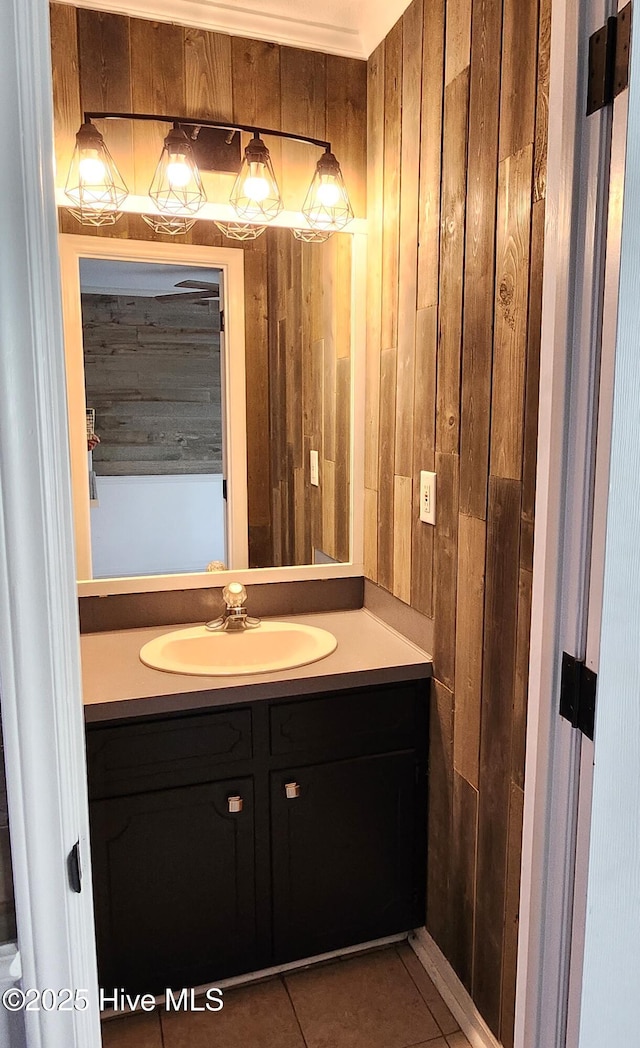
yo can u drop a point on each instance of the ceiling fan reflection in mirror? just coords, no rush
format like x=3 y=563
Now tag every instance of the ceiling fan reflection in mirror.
x=207 y=291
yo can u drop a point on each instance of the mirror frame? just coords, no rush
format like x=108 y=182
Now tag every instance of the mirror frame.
x=73 y=247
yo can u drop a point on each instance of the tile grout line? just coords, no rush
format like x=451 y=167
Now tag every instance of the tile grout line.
x=424 y=999
x=286 y=990
x=161 y=1024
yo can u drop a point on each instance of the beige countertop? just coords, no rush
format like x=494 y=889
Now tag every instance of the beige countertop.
x=116 y=684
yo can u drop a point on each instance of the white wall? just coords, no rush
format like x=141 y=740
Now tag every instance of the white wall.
x=157 y=525
x=611 y=979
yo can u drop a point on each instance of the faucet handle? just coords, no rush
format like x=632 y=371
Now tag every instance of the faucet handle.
x=234 y=595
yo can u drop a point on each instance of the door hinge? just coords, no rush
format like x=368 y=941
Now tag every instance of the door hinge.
x=224 y=488
x=578 y=694
x=609 y=60
x=74 y=869
x=222 y=319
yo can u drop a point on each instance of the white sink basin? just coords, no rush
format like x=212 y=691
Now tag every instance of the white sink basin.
x=269 y=647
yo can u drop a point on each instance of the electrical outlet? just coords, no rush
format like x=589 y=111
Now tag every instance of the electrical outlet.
x=427 y=497
x=313 y=468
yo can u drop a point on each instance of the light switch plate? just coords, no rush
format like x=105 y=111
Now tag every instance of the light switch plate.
x=427 y=497
x=313 y=468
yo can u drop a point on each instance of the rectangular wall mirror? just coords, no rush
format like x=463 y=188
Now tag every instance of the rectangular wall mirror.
x=212 y=401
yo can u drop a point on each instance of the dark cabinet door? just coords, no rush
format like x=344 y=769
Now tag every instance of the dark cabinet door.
x=346 y=859
x=174 y=890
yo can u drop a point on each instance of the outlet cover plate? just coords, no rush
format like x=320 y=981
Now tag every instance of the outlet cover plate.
x=427 y=497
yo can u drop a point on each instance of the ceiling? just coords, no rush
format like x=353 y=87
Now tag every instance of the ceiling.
x=343 y=27
x=103 y=276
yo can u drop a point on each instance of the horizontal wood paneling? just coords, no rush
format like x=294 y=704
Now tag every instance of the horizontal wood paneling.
x=465 y=340
x=152 y=373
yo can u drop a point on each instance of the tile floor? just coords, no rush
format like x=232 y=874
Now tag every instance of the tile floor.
x=382 y=999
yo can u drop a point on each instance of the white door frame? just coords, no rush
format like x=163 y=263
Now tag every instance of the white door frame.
x=232 y=353
x=569 y=535
x=39 y=657
x=41 y=697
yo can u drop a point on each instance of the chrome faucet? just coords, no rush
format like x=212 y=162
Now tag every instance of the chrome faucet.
x=235 y=617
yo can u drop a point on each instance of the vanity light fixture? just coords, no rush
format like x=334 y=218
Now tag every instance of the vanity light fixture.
x=170 y=225
x=241 y=230
x=97 y=191
x=176 y=188
x=94 y=185
x=312 y=236
x=255 y=195
x=327 y=205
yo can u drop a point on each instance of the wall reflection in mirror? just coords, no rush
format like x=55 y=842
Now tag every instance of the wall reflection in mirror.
x=151 y=340
x=163 y=409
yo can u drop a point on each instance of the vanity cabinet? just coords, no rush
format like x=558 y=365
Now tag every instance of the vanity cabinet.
x=253 y=835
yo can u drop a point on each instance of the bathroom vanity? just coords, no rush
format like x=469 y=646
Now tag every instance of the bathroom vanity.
x=252 y=822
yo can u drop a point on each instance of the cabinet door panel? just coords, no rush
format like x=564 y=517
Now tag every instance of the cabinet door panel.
x=160 y=754
x=351 y=724
x=346 y=865
x=173 y=876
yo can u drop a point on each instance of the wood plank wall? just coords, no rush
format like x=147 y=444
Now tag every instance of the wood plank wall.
x=457 y=125
x=310 y=395
x=152 y=373
x=105 y=61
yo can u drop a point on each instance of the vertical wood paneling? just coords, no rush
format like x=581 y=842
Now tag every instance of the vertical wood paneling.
x=343 y=406
x=346 y=123
x=458 y=38
x=375 y=191
x=469 y=639
x=512 y=297
x=430 y=153
x=67 y=112
x=208 y=75
x=473 y=417
x=445 y=565
x=303 y=80
x=341 y=306
x=424 y=455
x=519 y=727
x=530 y=456
x=257 y=378
x=512 y=904
x=371 y=534
x=440 y=820
x=454 y=182
x=463 y=876
x=386 y=467
x=402 y=513
x=519 y=76
x=308 y=393
x=408 y=252
x=479 y=272
x=391 y=210
x=501 y=616
x=158 y=86
x=106 y=86
x=256 y=82
x=329 y=508
x=542 y=103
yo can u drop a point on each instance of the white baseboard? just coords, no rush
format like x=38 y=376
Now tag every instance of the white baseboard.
x=453 y=993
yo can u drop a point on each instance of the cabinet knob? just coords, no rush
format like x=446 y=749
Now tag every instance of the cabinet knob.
x=235 y=804
x=292 y=790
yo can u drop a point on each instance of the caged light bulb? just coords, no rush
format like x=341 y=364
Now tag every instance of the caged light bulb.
x=256 y=186
x=91 y=168
x=178 y=172
x=328 y=193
